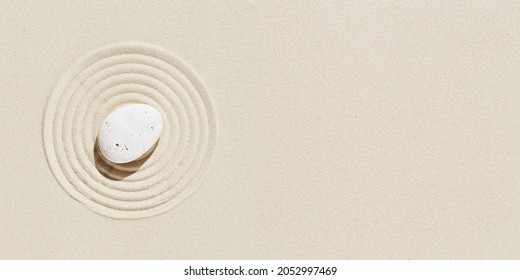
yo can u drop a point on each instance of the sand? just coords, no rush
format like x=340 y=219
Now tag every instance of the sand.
x=318 y=130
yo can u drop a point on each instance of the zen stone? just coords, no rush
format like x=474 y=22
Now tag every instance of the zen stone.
x=129 y=133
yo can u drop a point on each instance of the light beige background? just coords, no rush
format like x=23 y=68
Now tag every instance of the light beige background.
x=365 y=130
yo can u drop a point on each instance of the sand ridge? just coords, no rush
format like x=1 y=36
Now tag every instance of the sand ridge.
x=104 y=80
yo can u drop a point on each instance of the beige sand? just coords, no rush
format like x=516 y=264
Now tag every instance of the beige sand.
x=345 y=130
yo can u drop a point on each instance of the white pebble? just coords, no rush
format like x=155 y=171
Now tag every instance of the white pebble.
x=129 y=132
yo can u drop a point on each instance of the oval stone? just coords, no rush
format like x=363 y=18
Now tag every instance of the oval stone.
x=128 y=133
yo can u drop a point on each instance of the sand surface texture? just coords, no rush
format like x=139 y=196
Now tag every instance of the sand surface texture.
x=328 y=130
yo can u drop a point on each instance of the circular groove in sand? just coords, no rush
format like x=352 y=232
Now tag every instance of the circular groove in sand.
x=108 y=78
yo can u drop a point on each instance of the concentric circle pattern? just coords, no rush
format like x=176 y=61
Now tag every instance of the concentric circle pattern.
x=104 y=80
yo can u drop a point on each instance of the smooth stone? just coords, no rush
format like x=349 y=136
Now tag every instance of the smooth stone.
x=128 y=133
